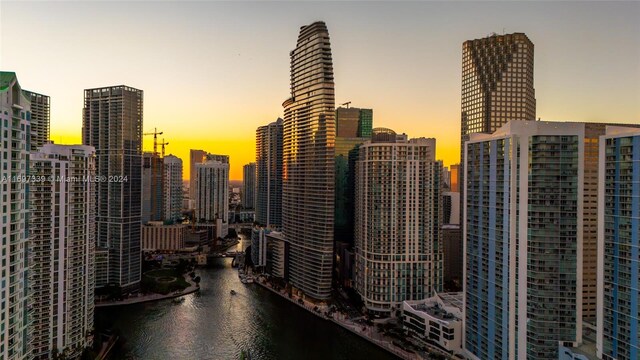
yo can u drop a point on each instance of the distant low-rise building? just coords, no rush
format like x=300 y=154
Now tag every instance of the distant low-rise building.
x=159 y=237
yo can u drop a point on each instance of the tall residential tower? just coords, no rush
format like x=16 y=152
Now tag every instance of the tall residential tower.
x=308 y=163
x=15 y=134
x=619 y=245
x=172 y=187
x=212 y=194
x=398 y=243
x=62 y=280
x=112 y=124
x=269 y=175
x=249 y=185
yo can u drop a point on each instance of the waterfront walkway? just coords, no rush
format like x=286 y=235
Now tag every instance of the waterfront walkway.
x=366 y=332
x=151 y=297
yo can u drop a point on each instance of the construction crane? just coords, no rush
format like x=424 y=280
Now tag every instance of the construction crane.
x=163 y=144
x=347 y=104
x=155 y=134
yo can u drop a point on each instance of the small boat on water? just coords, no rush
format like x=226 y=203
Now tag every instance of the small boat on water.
x=233 y=292
x=177 y=300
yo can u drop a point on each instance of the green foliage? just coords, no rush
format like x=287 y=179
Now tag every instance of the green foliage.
x=163 y=281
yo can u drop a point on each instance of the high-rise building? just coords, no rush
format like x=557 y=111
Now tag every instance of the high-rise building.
x=172 y=187
x=212 y=195
x=308 y=163
x=152 y=187
x=618 y=242
x=353 y=128
x=526 y=240
x=15 y=136
x=497 y=83
x=259 y=246
x=269 y=175
x=354 y=122
x=195 y=157
x=40 y=118
x=452 y=239
x=62 y=280
x=112 y=124
x=249 y=186
x=398 y=243
x=454 y=177
x=497 y=86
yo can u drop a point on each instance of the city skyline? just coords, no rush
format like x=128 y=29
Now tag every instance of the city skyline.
x=218 y=64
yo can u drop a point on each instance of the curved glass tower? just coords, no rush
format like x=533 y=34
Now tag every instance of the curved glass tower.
x=309 y=131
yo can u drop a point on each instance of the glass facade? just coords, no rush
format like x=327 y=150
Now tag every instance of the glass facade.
x=248 y=185
x=620 y=243
x=552 y=262
x=488 y=248
x=524 y=243
x=112 y=124
x=309 y=132
x=269 y=175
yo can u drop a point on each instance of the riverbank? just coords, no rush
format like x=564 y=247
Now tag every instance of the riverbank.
x=193 y=287
x=364 y=331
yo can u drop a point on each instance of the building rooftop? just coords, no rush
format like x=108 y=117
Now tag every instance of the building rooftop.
x=444 y=306
x=6 y=78
x=587 y=349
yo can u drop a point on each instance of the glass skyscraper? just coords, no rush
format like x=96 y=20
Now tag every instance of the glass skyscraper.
x=249 y=185
x=619 y=245
x=112 y=124
x=524 y=240
x=309 y=131
x=269 y=175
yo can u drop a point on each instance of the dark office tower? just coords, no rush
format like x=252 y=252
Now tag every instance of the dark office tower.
x=308 y=163
x=195 y=157
x=40 y=118
x=249 y=185
x=353 y=122
x=269 y=175
x=112 y=123
x=497 y=86
x=353 y=128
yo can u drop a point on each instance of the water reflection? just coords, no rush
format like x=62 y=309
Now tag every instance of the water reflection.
x=215 y=324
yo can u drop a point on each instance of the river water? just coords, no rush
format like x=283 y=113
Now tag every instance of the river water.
x=213 y=324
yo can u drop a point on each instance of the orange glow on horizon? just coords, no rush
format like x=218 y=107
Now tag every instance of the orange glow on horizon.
x=241 y=150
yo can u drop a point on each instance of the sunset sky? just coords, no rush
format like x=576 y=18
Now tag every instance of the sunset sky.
x=212 y=72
